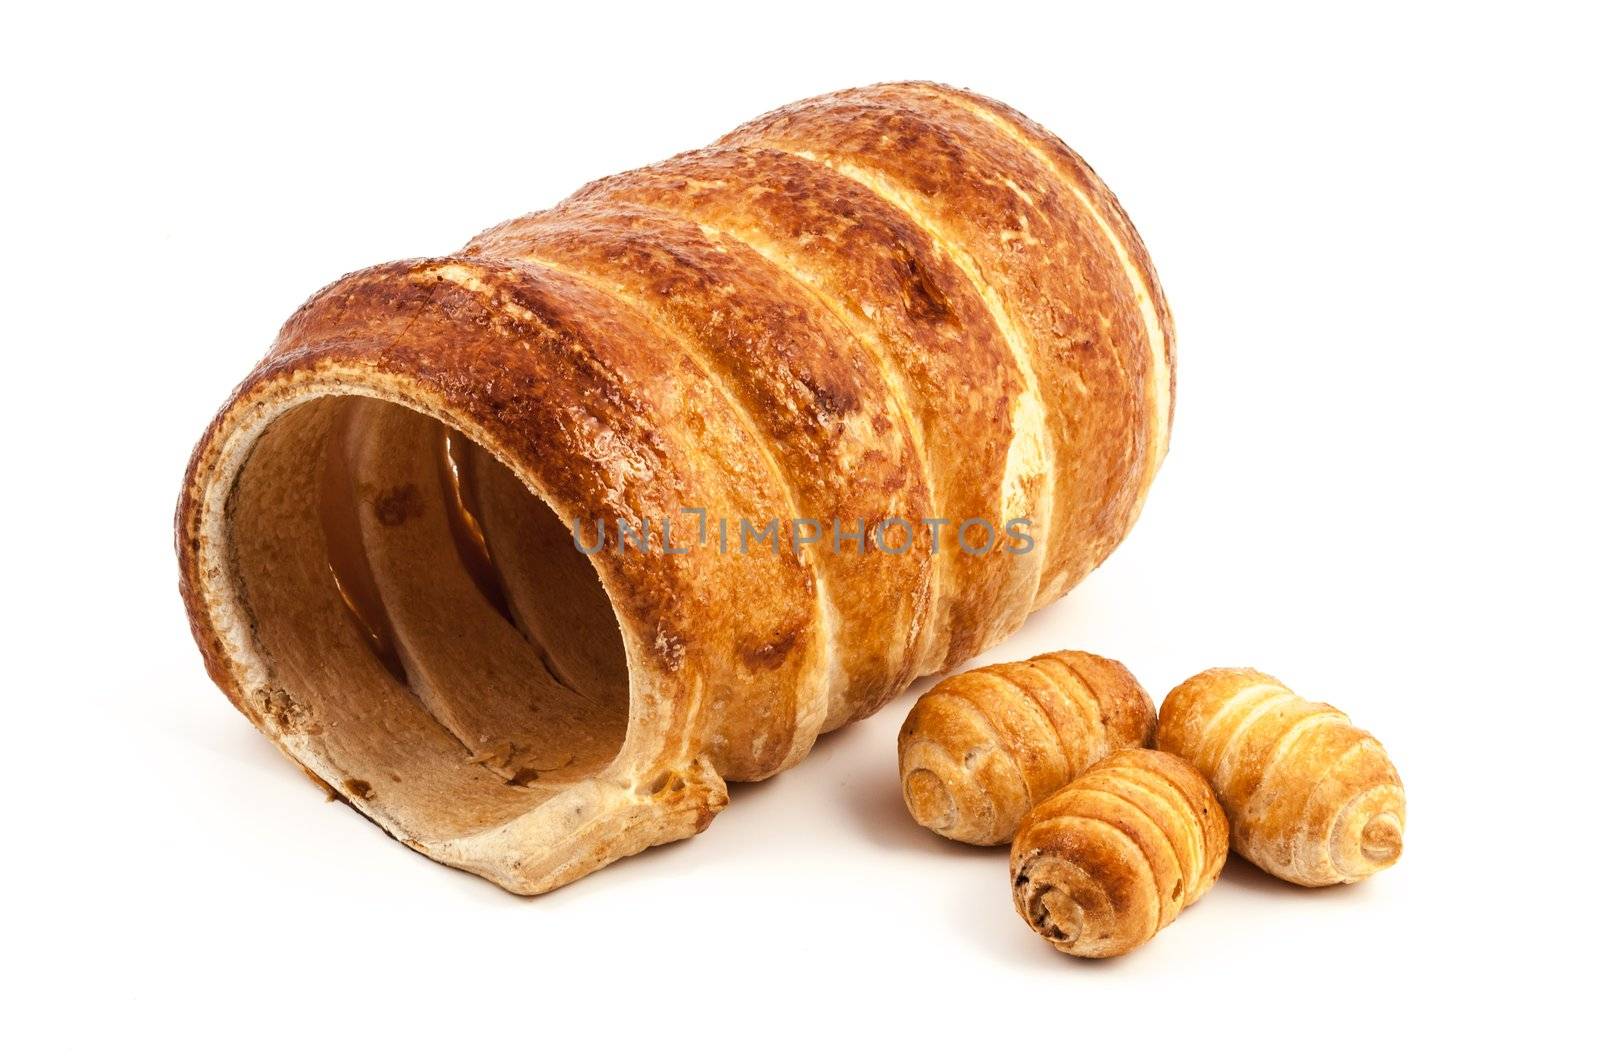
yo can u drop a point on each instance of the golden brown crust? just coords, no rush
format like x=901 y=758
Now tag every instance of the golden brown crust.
x=1049 y=277
x=981 y=748
x=1123 y=242
x=911 y=310
x=1111 y=858
x=1312 y=798
x=1123 y=239
x=795 y=322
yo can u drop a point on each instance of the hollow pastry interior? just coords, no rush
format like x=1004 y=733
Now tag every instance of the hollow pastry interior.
x=430 y=634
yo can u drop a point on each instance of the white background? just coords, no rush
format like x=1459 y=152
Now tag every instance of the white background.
x=1377 y=228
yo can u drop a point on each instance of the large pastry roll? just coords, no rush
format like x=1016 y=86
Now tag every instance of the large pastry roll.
x=523 y=551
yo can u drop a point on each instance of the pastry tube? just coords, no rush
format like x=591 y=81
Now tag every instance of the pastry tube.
x=525 y=550
x=983 y=747
x=1110 y=859
x=1312 y=798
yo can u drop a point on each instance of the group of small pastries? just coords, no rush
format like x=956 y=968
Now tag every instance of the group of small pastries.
x=1119 y=817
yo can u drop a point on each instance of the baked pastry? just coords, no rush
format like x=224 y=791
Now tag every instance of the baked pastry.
x=1108 y=860
x=848 y=321
x=1312 y=798
x=983 y=747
